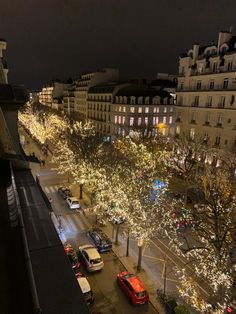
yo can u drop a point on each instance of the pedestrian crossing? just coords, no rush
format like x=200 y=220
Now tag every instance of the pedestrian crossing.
x=51 y=189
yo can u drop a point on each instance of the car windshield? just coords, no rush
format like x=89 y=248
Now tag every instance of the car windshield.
x=128 y=276
x=141 y=294
x=75 y=202
x=96 y=261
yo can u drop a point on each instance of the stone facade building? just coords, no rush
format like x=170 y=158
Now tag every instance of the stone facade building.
x=206 y=92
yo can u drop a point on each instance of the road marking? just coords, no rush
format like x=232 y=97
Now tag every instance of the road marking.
x=52 y=189
x=70 y=223
x=46 y=189
x=78 y=222
x=174 y=262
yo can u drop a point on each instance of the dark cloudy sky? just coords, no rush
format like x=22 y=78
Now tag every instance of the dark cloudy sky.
x=61 y=38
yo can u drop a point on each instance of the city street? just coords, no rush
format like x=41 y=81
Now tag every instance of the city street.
x=158 y=262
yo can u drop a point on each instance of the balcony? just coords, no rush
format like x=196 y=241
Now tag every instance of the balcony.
x=192 y=121
x=207 y=123
x=216 y=87
x=219 y=125
x=178 y=119
x=221 y=106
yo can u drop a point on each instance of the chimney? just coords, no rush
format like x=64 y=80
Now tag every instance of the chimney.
x=223 y=37
x=195 y=52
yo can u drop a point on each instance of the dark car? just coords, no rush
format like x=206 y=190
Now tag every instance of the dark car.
x=64 y=192
x=100 y=240
x=72 y=255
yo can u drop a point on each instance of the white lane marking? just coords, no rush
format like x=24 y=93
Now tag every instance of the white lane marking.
x=78 y=222
x=46 y=189
x=174 y=262
x=73 y=227
x=84 y=220
x=52 y=189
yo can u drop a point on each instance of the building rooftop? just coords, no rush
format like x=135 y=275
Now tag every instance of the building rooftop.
x=141 y=90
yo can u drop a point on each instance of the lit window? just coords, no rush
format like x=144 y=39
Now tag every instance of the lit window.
x=119 y=119
x=123 y=120
x=192 y=133
x=165 y=109
x=164 y=119
x=124 y=109
x=155 y=120
x=146 y=109
x=177 y=131
x=170 y=120
x=120 y=108
x=139 y=121
x=115 y=119
x=146 y=120
x=131 y=121
x=140 y=109
x=132 y=109
x=171 y=109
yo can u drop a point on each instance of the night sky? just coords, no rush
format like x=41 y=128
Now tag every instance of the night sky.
x=49 y=39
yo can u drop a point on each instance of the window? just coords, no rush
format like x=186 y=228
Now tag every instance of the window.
x=222 y=102
x=226 y=83
x=230 y=65
x=193 y=117
x=192 y=133
x=209 y=101
x=146 y=109
x=124 y=109
x=217 y=141
x=165 y=109
x=196 y=101
x=120 y=108
x=177 y=130
x=164 y=119
x=155 y=120
x=232 y=100
x=170 y=120
x=140 y=109
x=131 y=121
x=132 y=100
x=139 y=121
x=180 y=100
x=171 y=109
x=208 y=118
x=115 y=119
x=146 y=120
x=182 y=85
x=155 y=109
x=146 y=100
x=199 y=85
x=119 y=119
x=219 y=119
x=214 y=68
x=132 y=109
x=212 y=83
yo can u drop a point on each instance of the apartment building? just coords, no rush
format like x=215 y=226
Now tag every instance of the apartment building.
x=68 y=101
x=206 y=92
x=89 y=80
x=118 y=108
x=52 y=95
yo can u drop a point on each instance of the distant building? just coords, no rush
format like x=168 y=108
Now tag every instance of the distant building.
x=85 y=82
x=206 y=94
x=118 y=108
x=52 y=95
x=68 y=100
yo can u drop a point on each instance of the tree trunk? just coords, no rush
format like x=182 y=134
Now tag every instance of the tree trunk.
x=81 y=191
x=117 y=234
x=140 y=253
x=127 y=246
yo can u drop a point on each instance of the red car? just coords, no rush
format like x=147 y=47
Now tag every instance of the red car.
x=72 y=255
x=133 y=287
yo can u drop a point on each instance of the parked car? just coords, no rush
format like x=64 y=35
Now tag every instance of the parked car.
x=86 y=289
x=91 y=258
x=100 y=240
x=73 y=202
x=118 y=220
x=64 y=192
x=72 y=255
x=132 y=287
